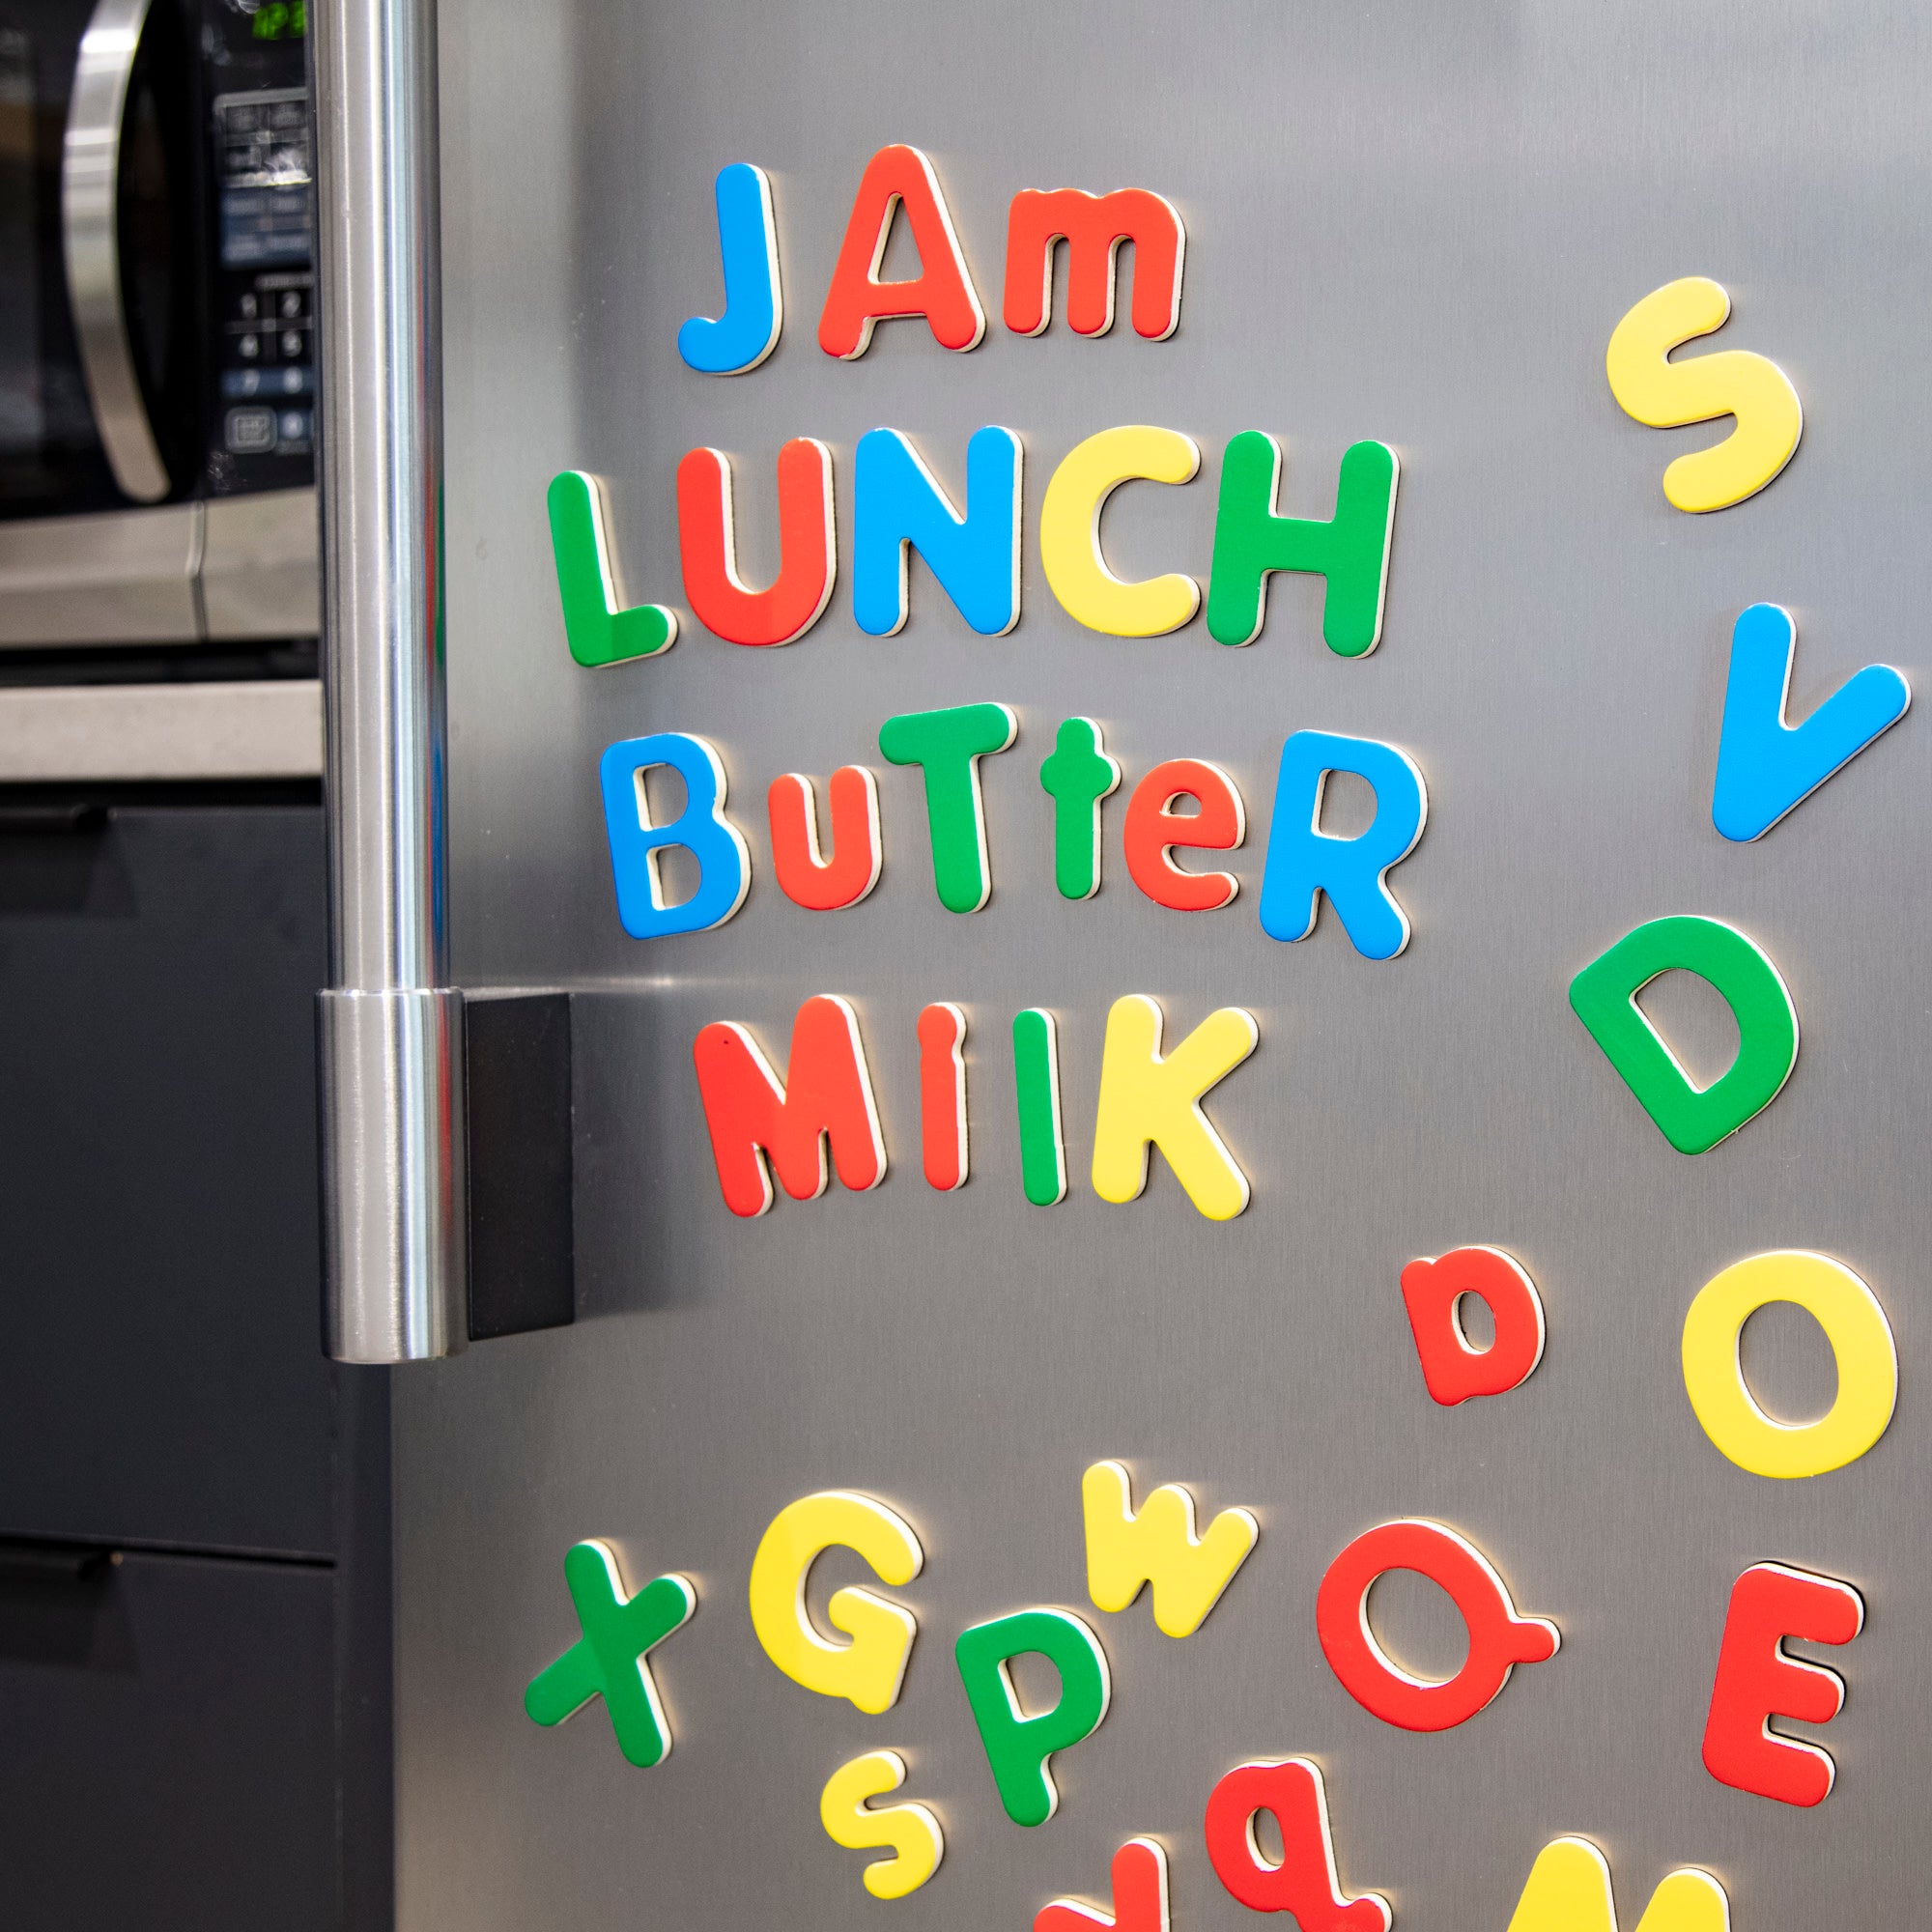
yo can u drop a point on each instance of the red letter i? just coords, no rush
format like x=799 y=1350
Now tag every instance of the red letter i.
x=942 y=1093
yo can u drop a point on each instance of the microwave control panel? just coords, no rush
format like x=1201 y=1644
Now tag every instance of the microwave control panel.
x=262 y=410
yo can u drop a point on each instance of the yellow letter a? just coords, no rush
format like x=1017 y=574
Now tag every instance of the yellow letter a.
x=1159 y=1547
x=1144 y=1098
x=1568 y=1890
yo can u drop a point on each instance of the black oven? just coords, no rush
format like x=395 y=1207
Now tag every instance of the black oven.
x=156 y=320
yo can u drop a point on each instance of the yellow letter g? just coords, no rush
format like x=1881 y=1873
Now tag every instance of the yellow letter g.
x=869 y=1668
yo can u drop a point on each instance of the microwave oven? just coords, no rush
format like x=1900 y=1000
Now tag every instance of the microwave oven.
x=158 y=357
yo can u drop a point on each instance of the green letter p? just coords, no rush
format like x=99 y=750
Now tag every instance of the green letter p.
x=1018 y=1747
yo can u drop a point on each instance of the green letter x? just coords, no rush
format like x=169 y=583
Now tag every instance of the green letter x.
x=609 y=1659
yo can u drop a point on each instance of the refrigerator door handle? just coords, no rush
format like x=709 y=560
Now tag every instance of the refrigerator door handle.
x=91 y=243
x=391 y=1029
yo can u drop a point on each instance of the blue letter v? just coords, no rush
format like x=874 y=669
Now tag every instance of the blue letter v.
x=1766 y=766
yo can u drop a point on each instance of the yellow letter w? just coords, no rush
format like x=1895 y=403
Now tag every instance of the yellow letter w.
x=1159 y=1547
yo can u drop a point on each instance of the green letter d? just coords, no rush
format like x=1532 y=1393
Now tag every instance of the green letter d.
x=1605 y=994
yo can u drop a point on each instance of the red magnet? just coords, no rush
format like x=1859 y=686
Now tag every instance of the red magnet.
x=806 y=875
x=1499 y=1639
x=1305 y=1882
x=1152 y=831
x=1756 y=1682
x=1139 y=1874
x=707 y=544
x=1453 y=1369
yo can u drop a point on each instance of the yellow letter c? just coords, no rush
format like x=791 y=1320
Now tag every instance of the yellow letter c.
x=869 y=1669
x=1069 y=532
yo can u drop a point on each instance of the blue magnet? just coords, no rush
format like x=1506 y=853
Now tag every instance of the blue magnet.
x=1766 y=766
x=748 y=241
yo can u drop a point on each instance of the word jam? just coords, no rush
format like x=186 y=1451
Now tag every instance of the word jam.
x=820 y=1114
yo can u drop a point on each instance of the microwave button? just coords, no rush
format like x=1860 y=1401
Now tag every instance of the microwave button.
x=294 y=426
x=292 y=302
x=251 y=308
x=250 y=430
x=249 y=347
x=292 y=342
x=237 y=383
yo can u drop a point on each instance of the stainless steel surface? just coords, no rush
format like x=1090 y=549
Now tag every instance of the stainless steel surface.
x=119 y=576
x=1405 y=220
x=90 y=192
x=261 y=571
x=126 y=732
x=392 y=1172
x=391 y=1131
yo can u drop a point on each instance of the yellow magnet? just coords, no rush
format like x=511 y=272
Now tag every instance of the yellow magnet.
x=1732 y=382
x=1148 y=1098
x=910 y=1830
x=1069 y=532
x=1158 y=1546
x=869 y=1669
x=1861 y=1339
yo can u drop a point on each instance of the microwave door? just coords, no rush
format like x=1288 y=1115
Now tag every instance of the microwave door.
x=100 y=247
x=79 y=563
x=50 y=454
x=90 y=165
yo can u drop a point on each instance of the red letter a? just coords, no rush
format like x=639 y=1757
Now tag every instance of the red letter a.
x=942 y=291
x=826 y=1095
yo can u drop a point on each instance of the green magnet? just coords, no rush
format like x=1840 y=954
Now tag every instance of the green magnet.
x=608 y=1661
x=1019 y=1745
x=1037 y=1082
x=1077 y=776
x=949 y=744
x=599 y=633
x=1350 y=551
x=1604 y=995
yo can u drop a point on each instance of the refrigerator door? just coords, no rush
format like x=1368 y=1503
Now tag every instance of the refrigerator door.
x=1406 y=224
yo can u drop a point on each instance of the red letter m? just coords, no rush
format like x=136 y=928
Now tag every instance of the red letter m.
x=751 y=1115
x=1093 y=226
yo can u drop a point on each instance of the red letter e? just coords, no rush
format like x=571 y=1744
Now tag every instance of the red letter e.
x=1756 y=1681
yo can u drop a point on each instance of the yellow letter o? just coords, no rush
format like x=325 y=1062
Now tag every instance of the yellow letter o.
x=1861 y=1339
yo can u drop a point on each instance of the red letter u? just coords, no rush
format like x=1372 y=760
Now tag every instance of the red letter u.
x=708 y=547
x=805 y=874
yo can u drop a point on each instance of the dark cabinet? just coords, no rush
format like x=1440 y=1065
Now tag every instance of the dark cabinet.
x=161 y=1380
x=195 y=1576
x=169 y=1751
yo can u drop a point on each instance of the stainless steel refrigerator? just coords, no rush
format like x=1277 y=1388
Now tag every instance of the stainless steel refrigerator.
x=1408 y=228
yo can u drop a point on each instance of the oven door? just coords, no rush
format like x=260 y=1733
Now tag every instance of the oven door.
x=100 y=181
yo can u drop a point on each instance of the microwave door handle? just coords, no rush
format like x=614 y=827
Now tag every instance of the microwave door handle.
x=90 y=196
